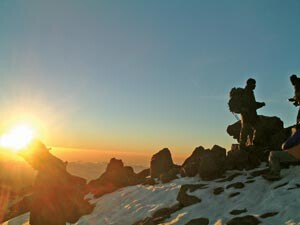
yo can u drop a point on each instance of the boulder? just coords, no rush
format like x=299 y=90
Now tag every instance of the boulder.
x=170 y=175
x=161 y=215
x=191 y=164
x=241 y=159
x=245 y=220
x=236 y=159
x=184 y=199
x=238 y=211
x=198 y=221
x=212 y=163
x=149 y=181
x=269 y=132
x=146 y=221
x=143 y=174
x=115 y=176
x=161 y=162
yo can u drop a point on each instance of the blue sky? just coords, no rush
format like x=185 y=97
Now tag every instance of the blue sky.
x=142 y=75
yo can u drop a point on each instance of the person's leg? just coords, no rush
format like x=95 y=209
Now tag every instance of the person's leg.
x=276 y=157
x=298 y=115
x=246 y=129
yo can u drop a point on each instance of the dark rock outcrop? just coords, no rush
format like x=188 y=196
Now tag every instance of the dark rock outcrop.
x=269 y=133
x=143 y=174
x=238 y=211
x=199 y=221
x=230 y=178
x=245 y=220
x=234 y=194
x=149 y=181
x=269 y=214
x=161 y=162
x=212 y=164
x=190 y=166
x=116 y=176
x=237 y=185
x=186 y=200
x=218 y=190
x=170 y=175
x=146 y=221
x=241 y=159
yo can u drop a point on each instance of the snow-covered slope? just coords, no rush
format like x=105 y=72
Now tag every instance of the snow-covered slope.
x=258 y=196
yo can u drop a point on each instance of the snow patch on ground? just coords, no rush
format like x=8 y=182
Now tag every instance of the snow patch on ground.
x=131 y=204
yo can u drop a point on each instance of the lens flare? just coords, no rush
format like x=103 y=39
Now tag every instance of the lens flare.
x=17 y=138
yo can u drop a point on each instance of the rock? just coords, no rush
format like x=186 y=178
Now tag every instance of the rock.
x=199 y=221
x=146 y=221
x=236 y=159
x=269 y=134
x=237 y=185
x=269 y=214
x=296 y=187
x=161 y=162
x=234 y=130
x=212 y=164
x=243 y=159
x=281 y=185
x=167 y=177
x=266 y=128
x=234 y=194
x=114 y=165
x=230 y=178
x=191 y=164
x=149 y=181
x=245 y=220
x=257 y=173
x=170 y=175
x=176 y=207
x=115 y=176
x=249 y=181
x=237 y=212
x=143 y=174
x=184 y=199
x=218 y=190
x=161 y=215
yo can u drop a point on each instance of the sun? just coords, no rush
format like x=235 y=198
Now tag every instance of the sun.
x=17 y=137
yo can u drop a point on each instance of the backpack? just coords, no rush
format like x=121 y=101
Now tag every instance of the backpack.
x=235 y=102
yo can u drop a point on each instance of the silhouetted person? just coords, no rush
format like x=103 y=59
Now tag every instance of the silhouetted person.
x=287 y=155
x=58 y=196
x=296 y=99
x=249 y=115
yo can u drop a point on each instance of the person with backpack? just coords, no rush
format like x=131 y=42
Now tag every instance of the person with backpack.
x=296 y=99
x=242 y=101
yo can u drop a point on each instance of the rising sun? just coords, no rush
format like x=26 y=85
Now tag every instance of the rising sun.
x=17 y=138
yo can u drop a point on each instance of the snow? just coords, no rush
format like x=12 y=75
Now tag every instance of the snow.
x=131 y=204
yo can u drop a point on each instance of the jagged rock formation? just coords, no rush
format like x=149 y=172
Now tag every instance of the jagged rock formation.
x=269 y=133
x=190 y=166
x=161 y=162
x=209 y=164
x=116 y=176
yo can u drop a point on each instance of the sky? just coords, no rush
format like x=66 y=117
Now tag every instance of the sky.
x=141 y=75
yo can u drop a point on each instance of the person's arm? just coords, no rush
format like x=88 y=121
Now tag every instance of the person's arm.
x=260 y=104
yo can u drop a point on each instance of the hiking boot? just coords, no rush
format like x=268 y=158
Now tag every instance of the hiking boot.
x=272 y=176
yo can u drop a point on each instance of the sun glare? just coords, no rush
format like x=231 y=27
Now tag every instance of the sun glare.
x=17 y=138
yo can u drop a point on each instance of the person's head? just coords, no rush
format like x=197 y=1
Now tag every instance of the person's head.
x=293 y=79
x=251 y=83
